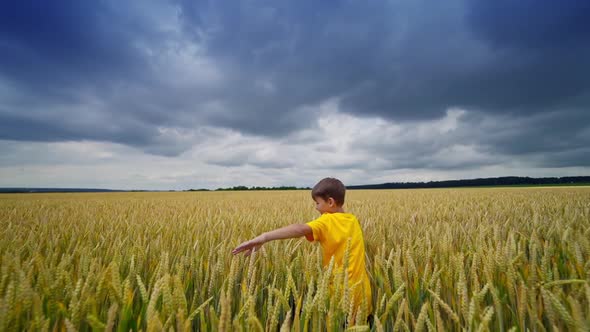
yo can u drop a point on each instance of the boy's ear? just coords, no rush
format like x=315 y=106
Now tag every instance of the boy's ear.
x=331 y=201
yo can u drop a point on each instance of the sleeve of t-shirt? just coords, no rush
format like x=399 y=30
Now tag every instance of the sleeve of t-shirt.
x=318 y=228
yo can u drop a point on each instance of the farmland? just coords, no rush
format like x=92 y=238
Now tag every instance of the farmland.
x=494 y=259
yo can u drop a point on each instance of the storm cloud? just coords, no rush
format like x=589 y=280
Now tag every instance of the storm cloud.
x=288 y=89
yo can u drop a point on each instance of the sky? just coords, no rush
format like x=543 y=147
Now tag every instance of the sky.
x=208 y=94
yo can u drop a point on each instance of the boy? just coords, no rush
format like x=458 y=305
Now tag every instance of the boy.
x=332 y=229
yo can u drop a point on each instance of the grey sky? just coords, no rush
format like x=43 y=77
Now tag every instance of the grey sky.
x=184 y=94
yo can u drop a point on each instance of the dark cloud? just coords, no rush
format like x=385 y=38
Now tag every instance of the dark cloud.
x=64 y=62
x=531 y=24
x=50 y=45
x=307 y=51
x=541 y=51
x=404 y=60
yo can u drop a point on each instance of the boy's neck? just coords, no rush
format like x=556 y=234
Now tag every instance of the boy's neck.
x=337 y=210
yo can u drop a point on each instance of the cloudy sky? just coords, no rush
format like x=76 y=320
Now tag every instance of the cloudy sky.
x=208 y=94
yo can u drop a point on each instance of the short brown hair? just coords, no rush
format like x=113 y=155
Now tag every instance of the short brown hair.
x=329 y=187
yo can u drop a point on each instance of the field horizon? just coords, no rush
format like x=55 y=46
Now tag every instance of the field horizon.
x=505 y=181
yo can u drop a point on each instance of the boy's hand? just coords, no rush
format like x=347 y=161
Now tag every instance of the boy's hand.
x=250 y=245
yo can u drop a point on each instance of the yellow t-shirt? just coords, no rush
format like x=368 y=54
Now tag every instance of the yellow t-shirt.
x=333 y=230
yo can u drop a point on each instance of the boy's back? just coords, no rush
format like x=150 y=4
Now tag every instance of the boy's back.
x=333 y=231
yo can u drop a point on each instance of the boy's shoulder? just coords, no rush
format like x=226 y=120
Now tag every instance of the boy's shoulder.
x=338 y=216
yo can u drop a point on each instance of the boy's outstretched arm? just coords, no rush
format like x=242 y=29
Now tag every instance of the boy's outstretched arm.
x=287 y=232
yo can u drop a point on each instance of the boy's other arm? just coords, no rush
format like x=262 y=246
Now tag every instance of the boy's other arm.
x=287 y=232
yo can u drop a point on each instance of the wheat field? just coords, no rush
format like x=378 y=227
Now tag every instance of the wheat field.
x=497 y=259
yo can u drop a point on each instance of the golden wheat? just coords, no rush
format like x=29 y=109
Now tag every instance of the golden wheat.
x=453 y=259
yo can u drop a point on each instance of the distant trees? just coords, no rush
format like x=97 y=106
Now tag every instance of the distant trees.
x=500 y=181
x=239 y=188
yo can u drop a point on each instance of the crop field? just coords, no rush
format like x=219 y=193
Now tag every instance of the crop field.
x=497 y=259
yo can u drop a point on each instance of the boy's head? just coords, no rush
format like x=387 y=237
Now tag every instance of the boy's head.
x=331 y=191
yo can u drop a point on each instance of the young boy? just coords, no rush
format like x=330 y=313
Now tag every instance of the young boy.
x=332 y=229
